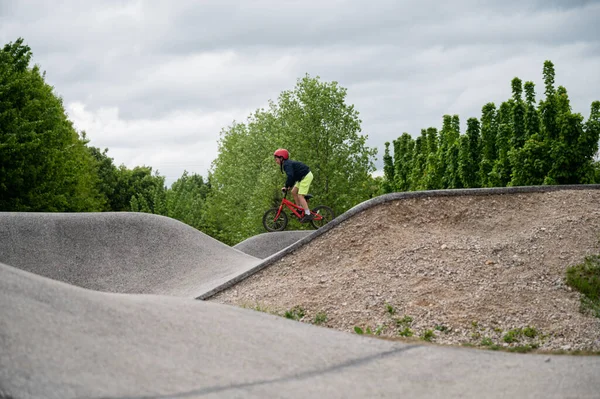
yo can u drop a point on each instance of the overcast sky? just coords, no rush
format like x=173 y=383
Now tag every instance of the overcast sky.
x=156 y=81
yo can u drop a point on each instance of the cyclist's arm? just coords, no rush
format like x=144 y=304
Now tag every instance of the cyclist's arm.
x=289 y=170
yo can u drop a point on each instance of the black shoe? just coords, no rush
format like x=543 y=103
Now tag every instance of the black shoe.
x=306 y=218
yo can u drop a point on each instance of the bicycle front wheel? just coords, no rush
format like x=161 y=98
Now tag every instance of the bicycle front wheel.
x=326 y=214
x=272 y=224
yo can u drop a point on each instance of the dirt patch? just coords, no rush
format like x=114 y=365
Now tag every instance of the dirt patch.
x=478 y=270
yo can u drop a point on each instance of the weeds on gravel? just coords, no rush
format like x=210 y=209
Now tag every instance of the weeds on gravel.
x=407 y=332
x=585 y=278
x=295 y=313
x=377 y=331
x=517 y=334
x=403 y=322
x=390 y=309
x=428 y=335
x=320 y=318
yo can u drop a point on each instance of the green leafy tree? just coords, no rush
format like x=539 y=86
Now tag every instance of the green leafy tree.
x=501 y=173
x=432 y=178
x=548 y=107
x=139 y=186
x=573 y=153
x=404 y=159
x=448 y=154
x=469 y=155
x=316 y=125
x=519 y=133
x=388 y=170
x=185 y=200
x=489 y=151
x=532 y=119
x=419 y=161
x=107 y=175
x=44 y=162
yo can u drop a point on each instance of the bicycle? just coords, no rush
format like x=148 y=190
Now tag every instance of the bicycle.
x=276 y=219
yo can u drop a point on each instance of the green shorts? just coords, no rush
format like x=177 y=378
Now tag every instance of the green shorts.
x=304 y=184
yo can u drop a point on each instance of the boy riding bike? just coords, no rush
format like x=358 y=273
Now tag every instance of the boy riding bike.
x=299 y=175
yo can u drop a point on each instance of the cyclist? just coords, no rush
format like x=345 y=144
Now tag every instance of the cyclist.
x=299 y=175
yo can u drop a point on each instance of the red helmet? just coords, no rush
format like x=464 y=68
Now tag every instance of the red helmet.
x=283 y=153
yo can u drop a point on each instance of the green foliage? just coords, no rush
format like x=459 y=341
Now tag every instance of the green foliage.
x=44 y=162
x=530 y=332
x=406 y=332
x=585 y=278
x=442 y=328
x=511 y=336
x=318 y=128
x=295 y=313
x=469 y=155
x=390 y=309
x=404 y=149
x=404 y=321
x=517 y=144
x=320 y=318
x=388 y=170
x=427 y=335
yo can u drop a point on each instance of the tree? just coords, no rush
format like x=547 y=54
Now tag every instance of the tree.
x=419 y=160
x=432 y=178
x=447 y=154
x=518 y=115
x=44 y=163
x=501 y=173
x=548 y=107
x=469 y=155
x=316 y=125
x=388 y=170
x=404 y=156
x=532 y=119
x=489 y=150
x=139 y=190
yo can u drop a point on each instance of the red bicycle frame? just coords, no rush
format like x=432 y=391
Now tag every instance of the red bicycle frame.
x=295 y=209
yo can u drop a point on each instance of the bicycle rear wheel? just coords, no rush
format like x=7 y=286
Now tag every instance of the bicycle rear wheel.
x=327 y=214
x=271 y=224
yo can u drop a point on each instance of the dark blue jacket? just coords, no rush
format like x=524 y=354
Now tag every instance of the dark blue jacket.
x=295 y=171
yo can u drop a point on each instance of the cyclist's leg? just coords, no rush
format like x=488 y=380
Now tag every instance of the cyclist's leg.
x=295 y=194
x=303 y=187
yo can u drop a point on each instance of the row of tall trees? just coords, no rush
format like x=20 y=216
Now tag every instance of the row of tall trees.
x=519 y=143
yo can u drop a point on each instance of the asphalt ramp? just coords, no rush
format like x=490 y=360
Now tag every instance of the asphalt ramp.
x=134 y=253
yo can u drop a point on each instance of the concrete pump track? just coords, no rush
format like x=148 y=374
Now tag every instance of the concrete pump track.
x=117 y=305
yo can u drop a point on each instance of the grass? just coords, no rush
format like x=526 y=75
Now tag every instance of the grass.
x=585 y=278
x=428 y=335
x=442 y=328
x=320 y=318
x=403 y=322
x=390 y=309
x=295 y=313
x=407 y=332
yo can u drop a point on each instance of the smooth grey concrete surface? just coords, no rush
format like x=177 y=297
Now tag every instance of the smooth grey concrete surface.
x=61 y=341
x=339 y=220
x=119 y=252
x=264 y=245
